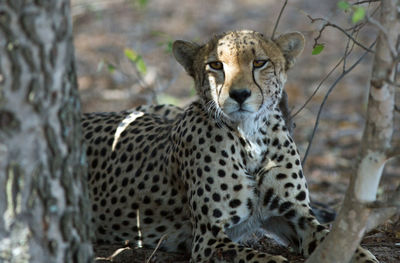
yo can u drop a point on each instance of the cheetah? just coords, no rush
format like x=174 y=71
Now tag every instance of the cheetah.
x=205 y=177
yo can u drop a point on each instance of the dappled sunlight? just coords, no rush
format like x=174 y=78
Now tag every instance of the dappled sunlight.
x=140 y=242
x=124 y=124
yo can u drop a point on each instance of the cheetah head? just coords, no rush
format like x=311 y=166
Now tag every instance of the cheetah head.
x=240 y=75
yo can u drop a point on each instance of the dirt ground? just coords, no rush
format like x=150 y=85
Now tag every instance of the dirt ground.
x=108 y=81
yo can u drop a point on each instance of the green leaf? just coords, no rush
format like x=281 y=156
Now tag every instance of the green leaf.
x=318 y=49
x=358 y=15
x=168 y=48
x=142 y=3
x=111 y=68
x=344 y=5
x=131 y=54
x=141 y=66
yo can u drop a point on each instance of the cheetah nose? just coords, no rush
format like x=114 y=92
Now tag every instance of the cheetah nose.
x=240 y=95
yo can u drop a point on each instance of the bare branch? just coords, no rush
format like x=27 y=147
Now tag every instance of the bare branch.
x=383 y=210
x=366 y=2
x=344 y=73
x=379 y=216
x=279 y=18
x=394 y=151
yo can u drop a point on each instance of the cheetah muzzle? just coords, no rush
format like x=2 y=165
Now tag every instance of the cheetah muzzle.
x=207 y=176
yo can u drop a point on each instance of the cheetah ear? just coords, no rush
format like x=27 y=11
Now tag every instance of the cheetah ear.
x=291 y=44
x=185 y=53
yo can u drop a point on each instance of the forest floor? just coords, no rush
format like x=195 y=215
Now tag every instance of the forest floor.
x=108 y=81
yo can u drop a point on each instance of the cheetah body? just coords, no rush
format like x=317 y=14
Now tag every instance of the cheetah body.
x=203 y=178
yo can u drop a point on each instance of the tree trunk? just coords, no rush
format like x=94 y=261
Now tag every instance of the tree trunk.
x=352 y=220
x=43 y=198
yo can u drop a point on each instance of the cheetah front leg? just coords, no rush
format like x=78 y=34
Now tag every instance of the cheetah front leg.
x=213 y=245
x=216 y=207
x=285 y=208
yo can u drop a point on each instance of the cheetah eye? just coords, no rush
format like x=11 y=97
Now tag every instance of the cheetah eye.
x=259 y=63
x=216 y=65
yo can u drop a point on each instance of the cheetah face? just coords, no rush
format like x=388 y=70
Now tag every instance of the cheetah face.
x=240 y=75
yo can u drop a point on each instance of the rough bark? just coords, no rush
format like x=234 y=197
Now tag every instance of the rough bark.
x=352 y=220
x=44 y=212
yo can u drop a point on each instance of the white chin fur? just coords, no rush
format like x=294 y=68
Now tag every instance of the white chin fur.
x=240 y=116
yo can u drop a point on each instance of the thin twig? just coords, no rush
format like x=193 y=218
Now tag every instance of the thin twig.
x=378 y=25
x=365 y=2
x=163 y=237
x=329 y=24
x=317 y=88
x=279 y=18
x=116 y=253
x=344 y=73
x=349 y=48
x=358 y=26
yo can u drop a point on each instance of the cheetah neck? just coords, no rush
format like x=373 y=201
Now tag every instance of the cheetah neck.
x=250 y=127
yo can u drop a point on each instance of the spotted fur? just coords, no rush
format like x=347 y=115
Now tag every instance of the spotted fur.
x=206 y=177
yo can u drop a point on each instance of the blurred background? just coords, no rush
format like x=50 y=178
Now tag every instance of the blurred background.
x=124 y=59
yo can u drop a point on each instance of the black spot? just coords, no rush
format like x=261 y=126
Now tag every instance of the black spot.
x=161 y=229
x=148 y=220
x=235 y=219
x=216 y=197
x=250 y=256
x=301 y=196
x=281 y=176
x=268 y=196
x=287 y=185
x=302 y=222
x=217 y=213
x=235 y=203
x=154 y=188
x=312 y=246
x=290 y=214
x=215 y=230
x=221 y=173
x=276 y=127
x=125 y=181
x=274 y=203
x=204 y=210
x=146 y=200
x=224 y=154
x=237 y=187
x=284 y=206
